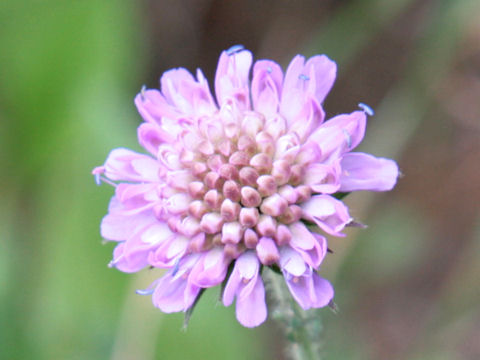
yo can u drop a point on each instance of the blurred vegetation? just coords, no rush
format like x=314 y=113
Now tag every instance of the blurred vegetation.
x=407 y=287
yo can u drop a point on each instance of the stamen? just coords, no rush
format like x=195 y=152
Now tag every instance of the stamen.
x=176 y=267
x=303 y=77
x=142 y=92
x=348 y=139
x=234 y=49
x=269 y=70
x=98 y=181
x=145 y=292
x=367 y=109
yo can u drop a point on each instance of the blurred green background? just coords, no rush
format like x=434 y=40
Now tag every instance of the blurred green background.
x=407 y=287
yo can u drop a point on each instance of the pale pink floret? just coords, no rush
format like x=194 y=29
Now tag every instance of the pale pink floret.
x=236 y=182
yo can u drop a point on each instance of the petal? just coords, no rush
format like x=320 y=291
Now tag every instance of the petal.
x=251 y=309
x=323 y=71
x=323 y=178
x=231 y=78
x=117 y=226
x=308 y=119
x=330 y=214
x=210 y=270
x=291 y=261
x=151 y=136
x=127 y=165
x=340 y=134
x=266 y=87
x=152 y=106
x=191 y=97
x=366 y=172
x=292 y=98
x=323 y=291
x=301 y=288
x=231 y=287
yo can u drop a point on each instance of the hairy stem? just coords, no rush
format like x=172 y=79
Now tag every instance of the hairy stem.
x=302 y=329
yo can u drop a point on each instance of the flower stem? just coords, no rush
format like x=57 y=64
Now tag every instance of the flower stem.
x=302 y=329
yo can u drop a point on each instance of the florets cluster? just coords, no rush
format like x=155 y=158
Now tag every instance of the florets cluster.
x=236 y=183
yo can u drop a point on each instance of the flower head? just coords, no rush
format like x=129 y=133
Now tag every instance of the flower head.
x=236 y=182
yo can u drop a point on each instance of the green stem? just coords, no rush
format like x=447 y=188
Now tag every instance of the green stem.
x=302 y=329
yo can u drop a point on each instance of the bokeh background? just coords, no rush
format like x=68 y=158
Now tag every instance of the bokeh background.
x=408 y=287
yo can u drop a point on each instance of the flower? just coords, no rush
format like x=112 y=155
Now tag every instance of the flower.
x=238 y=182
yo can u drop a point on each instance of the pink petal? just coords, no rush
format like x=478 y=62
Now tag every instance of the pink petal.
x=340 y=134
x=210 y=270
x=152 y=106
x=366 y=172
x=191 y=97
x=127 y=165
x=266 y=87
x=291 y=261
x=308 y=119
x=323 y=178
x=231 y=78
x=330 y=214
x=251 y=309
x=118 y=226
x=323 y=71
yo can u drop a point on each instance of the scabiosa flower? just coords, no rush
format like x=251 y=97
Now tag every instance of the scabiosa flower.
x=238 y=182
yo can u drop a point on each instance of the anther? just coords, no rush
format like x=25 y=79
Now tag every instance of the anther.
x=234 y=49
x=348 y=138
x=366 y=109
x=146 y=291
x=250 y=197
x=303 y=77
x=269 y=70
x=142 y=92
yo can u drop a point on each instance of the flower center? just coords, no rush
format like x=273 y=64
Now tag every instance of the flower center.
x=247 y=185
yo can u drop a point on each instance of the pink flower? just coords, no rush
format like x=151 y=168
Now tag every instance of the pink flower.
x=232 y=180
